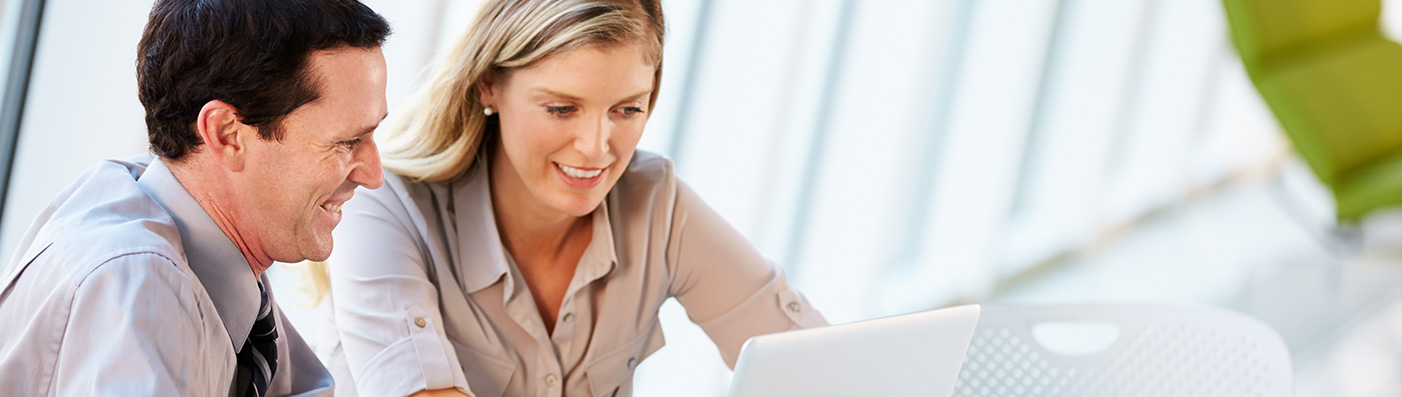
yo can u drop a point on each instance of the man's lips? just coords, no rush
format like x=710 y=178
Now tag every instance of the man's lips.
x=334 y=205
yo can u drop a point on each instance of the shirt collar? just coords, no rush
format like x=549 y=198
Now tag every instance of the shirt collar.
x=484 y=258
x=220 y=267
x=599 y=257
x=480 y=253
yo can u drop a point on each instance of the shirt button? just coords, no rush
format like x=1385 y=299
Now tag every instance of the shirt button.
x=632 y=362
x=419 y=321
x=793 y=306
x=569 y=317
x=550 y=380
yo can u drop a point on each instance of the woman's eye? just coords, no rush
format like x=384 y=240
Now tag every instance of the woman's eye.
x=632 y=110
x=559 y=110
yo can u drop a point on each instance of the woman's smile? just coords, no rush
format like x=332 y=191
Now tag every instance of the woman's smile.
x=578 y=177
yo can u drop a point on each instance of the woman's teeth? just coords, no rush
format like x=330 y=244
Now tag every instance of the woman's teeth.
x=331 y=207
x=578 y=173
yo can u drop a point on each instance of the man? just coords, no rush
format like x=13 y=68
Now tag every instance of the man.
x=145 y=277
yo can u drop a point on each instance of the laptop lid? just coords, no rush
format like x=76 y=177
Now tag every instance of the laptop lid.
x=908 y=355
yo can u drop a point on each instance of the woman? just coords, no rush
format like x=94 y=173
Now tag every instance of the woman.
x=521 y=246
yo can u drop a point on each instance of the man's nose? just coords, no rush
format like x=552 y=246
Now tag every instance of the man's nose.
x=367 y=171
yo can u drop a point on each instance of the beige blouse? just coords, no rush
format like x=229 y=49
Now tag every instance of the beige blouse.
x=424 y=296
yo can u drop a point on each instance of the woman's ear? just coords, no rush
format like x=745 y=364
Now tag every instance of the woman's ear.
x=486 y=91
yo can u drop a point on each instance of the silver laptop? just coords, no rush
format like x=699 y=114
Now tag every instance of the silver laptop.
x=909 y=355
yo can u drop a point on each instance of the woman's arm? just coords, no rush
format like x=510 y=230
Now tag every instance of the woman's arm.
x=441 y=393
x=386 y=308
x=728 y=289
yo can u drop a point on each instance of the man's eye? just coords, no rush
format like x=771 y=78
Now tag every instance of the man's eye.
x=351 y=144
x=560 y=110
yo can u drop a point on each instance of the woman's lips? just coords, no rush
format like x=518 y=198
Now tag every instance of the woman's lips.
x=579 y=178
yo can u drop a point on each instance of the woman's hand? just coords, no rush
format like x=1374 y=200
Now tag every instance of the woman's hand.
x=440 y=393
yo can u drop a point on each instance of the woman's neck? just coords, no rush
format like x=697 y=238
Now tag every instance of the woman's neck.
x=546 y=244
x=529 y=228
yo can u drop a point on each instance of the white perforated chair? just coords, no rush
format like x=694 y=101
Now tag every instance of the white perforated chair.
x=1123 y=350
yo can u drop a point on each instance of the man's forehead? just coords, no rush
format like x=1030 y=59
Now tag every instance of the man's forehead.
x=351 y=71
x=350 y=84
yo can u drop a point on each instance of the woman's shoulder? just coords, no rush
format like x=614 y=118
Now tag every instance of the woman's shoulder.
x=397 y=198
x=649 y=178
x=407 y=189
x=648 y=166
x=392 y=191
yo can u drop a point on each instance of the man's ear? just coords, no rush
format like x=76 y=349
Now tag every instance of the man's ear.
x=224 y=136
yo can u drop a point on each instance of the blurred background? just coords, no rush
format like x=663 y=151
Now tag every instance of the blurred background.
x=893 y=156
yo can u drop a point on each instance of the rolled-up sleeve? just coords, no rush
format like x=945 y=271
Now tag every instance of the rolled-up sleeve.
x=132 y=329
x=726 y=286
x=386 y=309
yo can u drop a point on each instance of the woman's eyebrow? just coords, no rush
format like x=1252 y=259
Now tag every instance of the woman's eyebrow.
x=638 y=95
x=557 y=94
x=550 y=92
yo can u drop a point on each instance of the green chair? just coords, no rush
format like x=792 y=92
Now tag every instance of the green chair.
x=1335 y=84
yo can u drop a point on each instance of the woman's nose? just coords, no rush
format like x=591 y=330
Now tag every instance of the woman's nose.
x=594 y=139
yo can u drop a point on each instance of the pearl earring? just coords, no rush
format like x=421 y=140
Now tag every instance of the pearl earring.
x=487 y=111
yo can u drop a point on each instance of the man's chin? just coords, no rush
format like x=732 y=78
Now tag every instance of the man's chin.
x=316 y=253
x=319 y=255
x=318 y=258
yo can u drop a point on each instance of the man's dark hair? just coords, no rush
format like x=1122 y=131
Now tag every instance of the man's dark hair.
x=251 y=54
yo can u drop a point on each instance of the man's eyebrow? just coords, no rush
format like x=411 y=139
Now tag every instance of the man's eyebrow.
x=371 y=128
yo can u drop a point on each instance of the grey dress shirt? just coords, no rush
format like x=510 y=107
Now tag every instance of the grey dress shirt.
x=123 y=285
x=426 y=297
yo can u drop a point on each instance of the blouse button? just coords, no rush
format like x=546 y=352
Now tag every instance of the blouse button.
x=550 y=380
x=793 y=306
x=569 y=317
x=632 y=362
x=419 y=321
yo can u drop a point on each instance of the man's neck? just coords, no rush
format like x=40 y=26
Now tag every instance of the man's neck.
x=207 y=192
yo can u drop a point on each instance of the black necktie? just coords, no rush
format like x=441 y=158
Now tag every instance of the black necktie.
x=259 y=353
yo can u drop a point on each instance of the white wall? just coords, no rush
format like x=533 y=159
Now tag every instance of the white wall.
x=82 y=104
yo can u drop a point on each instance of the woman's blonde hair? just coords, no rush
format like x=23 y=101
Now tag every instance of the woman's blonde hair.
x=438 y=133
x=441 y=130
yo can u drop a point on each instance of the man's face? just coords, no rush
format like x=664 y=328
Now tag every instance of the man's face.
x=291 y=190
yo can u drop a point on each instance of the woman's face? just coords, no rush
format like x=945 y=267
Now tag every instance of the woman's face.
x=569 y=126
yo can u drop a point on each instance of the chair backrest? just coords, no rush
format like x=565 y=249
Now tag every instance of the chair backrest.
x=1262 y=28
x=1328 y=74
x=1147 y=350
